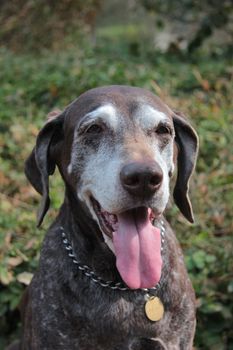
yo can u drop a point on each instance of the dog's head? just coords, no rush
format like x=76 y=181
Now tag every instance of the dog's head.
x=116 y=148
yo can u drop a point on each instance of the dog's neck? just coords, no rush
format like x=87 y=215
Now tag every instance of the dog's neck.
x=79 y=219
x=86 y=238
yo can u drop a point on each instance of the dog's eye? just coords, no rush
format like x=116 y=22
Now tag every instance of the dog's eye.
x=163 y=130
x=94 y=129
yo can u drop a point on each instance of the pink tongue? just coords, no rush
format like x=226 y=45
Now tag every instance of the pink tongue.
x=137 y=245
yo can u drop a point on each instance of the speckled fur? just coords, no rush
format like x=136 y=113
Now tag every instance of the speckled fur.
x=65 y=310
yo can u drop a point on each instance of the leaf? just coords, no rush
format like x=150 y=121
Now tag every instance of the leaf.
x=199 y=259
x=6 y=277
x=14 y=261
x=24 y=278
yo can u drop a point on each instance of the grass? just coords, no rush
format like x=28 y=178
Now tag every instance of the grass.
x=200 y=87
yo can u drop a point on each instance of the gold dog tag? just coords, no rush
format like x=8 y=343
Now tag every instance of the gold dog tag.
x=154 y=309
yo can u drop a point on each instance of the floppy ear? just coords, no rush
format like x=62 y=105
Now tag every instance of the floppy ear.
x=187 y=143
x=41 y=162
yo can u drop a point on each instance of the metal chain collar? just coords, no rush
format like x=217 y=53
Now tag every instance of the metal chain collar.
x=91 y=274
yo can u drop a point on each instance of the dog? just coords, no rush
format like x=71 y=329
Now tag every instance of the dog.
x=111 y=273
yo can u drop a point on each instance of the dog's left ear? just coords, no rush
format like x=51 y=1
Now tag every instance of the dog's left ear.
x=41 y=162
x=187 y=143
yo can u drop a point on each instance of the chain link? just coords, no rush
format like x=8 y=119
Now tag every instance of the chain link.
x=86 y=270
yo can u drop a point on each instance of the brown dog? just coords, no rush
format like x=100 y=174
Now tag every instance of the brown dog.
x=111 y=273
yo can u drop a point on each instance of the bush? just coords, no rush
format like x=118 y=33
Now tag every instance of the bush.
x=35 y=25
x=31 y=87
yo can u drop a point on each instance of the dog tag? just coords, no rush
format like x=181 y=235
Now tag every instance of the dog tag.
x=154 y=309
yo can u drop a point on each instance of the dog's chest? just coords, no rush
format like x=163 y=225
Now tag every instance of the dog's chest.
x=118 y=315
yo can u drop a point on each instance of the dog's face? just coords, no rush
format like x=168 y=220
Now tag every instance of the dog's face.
x=116 y=148
x=123 y=159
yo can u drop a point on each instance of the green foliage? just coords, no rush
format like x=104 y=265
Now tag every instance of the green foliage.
x=31 y=86
x=34 y=25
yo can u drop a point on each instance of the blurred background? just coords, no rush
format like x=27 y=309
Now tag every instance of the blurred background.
x=52 y=51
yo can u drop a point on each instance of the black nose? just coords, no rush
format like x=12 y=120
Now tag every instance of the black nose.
x=141 y=178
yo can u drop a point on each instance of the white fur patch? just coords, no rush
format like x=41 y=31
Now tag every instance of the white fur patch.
x=148 y=117
x=101 y=179
x=106 y=112
x=69 y=168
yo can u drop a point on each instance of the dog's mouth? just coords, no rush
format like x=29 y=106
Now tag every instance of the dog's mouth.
x=136 y=242
x=108 y=222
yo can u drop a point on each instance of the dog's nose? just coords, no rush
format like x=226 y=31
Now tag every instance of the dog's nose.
x=141 y=178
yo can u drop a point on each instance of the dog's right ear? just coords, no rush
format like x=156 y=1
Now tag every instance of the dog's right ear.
x=187 y=143
x=41 y=162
